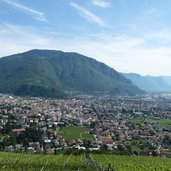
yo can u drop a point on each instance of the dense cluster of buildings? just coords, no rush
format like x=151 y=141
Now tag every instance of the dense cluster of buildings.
x=141 y=124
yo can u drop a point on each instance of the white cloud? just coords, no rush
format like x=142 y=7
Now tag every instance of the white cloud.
x=101 y=3
x=88 y=14
x=15 y=38
x=162 y=36
x=121 y=52
x=125 y=53
x=35 y=14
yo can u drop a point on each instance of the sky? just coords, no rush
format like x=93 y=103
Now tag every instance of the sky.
x=128 y=35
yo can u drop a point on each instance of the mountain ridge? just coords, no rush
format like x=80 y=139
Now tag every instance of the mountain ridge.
x=49 y=73
x=150 y=83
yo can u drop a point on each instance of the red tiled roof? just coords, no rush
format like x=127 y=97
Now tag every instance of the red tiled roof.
x=18 y=130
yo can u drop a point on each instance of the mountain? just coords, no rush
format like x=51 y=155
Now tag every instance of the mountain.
x=49 y=73
x=167 y=79
x=149 y=83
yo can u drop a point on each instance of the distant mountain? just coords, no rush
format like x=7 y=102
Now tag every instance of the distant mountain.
x=49 y=73
x=149 y=83
x=167 y=79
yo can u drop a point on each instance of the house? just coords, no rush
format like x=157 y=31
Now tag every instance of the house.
x=9 y=148
x=18 y=147
x=30 y=150
x=18 y=131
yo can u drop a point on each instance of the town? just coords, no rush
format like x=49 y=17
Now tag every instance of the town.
x=138 y=125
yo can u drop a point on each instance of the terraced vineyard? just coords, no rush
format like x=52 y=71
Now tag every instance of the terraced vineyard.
x=134 y=163
x=35 y=162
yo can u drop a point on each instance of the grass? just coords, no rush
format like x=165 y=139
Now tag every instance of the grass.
x=165 y=123
x=134 y=163
x=162 y=122
x=135 y=148
x=38 y=162
x=74 y=133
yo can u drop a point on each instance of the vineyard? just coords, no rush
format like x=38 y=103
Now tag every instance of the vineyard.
x=84 y=162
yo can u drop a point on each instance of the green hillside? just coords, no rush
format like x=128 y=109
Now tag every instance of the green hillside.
x=49 y=73
x=38 y=162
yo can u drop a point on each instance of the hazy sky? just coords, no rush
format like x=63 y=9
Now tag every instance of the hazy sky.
x=128 y=35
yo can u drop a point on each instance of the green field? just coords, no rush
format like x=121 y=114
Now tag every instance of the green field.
x=73 y=133
x=38 y=162
x=165 y=123
x=162 y=122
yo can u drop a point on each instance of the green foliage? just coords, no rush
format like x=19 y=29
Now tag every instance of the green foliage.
x=134 y=163
x=17 y=162
x=50 y=73
x=30 y=135
x=8 y=127
x=37 y=162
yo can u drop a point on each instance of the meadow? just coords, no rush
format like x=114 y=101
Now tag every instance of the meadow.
x=162 y=122
x=75 y=133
